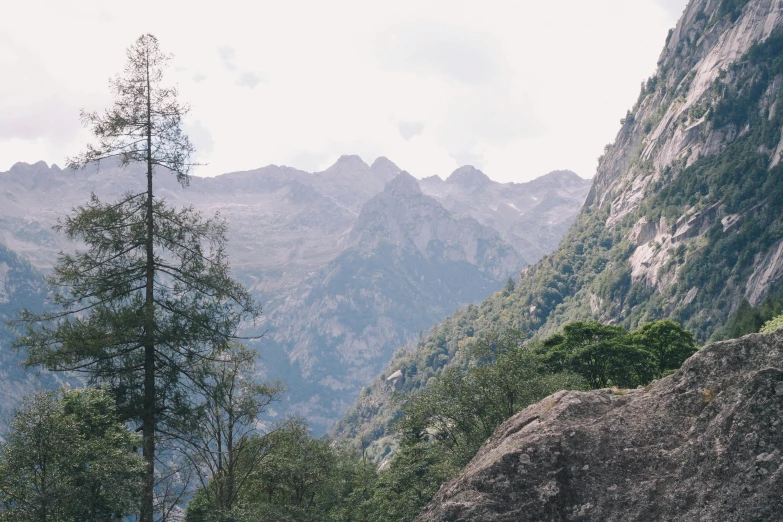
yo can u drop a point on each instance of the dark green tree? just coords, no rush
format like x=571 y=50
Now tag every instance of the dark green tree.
x=589 y=349
x=409 y=481
x=151 y=294
x=300 y=479
x=67 y=458
x=668 y=343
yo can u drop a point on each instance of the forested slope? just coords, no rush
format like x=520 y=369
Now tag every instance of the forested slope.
x=684 y=219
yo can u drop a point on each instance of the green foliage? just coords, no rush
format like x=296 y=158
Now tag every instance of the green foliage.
x=222 y=437
x=589 y=349
x=608 y=355
x=732 y=8
x=747 y=319
x=668 y=343
x=463 y=407
x=67 y=458
x=409 y=481
x=773 y=325
x=443 y=425
x=299 y=479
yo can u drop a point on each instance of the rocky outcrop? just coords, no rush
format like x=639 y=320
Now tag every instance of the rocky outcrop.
x=702 y=444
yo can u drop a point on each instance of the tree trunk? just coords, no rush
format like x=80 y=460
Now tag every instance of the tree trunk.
x=148 y=414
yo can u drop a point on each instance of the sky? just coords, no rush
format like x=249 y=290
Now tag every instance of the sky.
x=514 y=87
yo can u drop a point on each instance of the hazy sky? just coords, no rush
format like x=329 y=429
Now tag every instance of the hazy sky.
x=517 y=88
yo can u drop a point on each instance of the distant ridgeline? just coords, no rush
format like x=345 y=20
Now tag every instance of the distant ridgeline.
x=348 y=264
x=684 y=220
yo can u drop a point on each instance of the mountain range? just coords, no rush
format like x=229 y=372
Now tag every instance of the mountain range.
x=349 y=263
x=684 y=219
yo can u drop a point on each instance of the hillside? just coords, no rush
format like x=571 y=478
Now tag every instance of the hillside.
x=684 y=219
x=21 y=285
x=340 y=260
x=701 y=444
x=409 y=263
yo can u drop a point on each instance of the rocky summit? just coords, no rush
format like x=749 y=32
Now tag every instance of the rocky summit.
x=703 y=444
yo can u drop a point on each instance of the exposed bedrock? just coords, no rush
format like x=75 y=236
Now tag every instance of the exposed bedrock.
x=704 y=444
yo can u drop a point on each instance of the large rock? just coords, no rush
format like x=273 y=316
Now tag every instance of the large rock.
x=703 y=444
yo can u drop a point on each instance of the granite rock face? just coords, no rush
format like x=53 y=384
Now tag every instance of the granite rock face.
x=704 y=444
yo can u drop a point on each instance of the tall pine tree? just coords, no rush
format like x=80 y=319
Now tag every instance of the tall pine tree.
x=151 y=295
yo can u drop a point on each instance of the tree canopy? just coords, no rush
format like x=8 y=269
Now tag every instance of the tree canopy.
x=68 y=458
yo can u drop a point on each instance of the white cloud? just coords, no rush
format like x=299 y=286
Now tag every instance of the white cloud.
x=227 y=56
x=457 y=53
x=409 y=129
x=249 y=79
x=469 y=158
x=519 y=88
x=673 y=7
x=200 y=137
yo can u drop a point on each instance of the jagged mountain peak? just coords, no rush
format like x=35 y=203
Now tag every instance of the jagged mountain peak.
x=563 y=177
x=468 y=176
x=384 y=168
x=22 y=167
x=347 y=163
x=403 y=185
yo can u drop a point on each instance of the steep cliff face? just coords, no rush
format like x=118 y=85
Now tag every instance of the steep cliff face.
x=688 y=196
x=701 y=444
x=685 y=216
x=670 y=122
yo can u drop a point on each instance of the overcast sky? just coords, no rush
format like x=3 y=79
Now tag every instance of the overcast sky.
x=516 y=88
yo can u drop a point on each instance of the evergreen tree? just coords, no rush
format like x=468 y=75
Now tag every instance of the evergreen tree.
x=151 y=296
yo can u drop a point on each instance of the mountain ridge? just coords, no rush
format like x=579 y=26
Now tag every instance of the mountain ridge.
x=291 y=243
x=683 y=220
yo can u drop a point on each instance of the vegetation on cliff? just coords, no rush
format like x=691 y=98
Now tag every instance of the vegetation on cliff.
x=692 y=245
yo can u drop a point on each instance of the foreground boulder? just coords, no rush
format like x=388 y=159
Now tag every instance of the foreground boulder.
x=704 y=444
